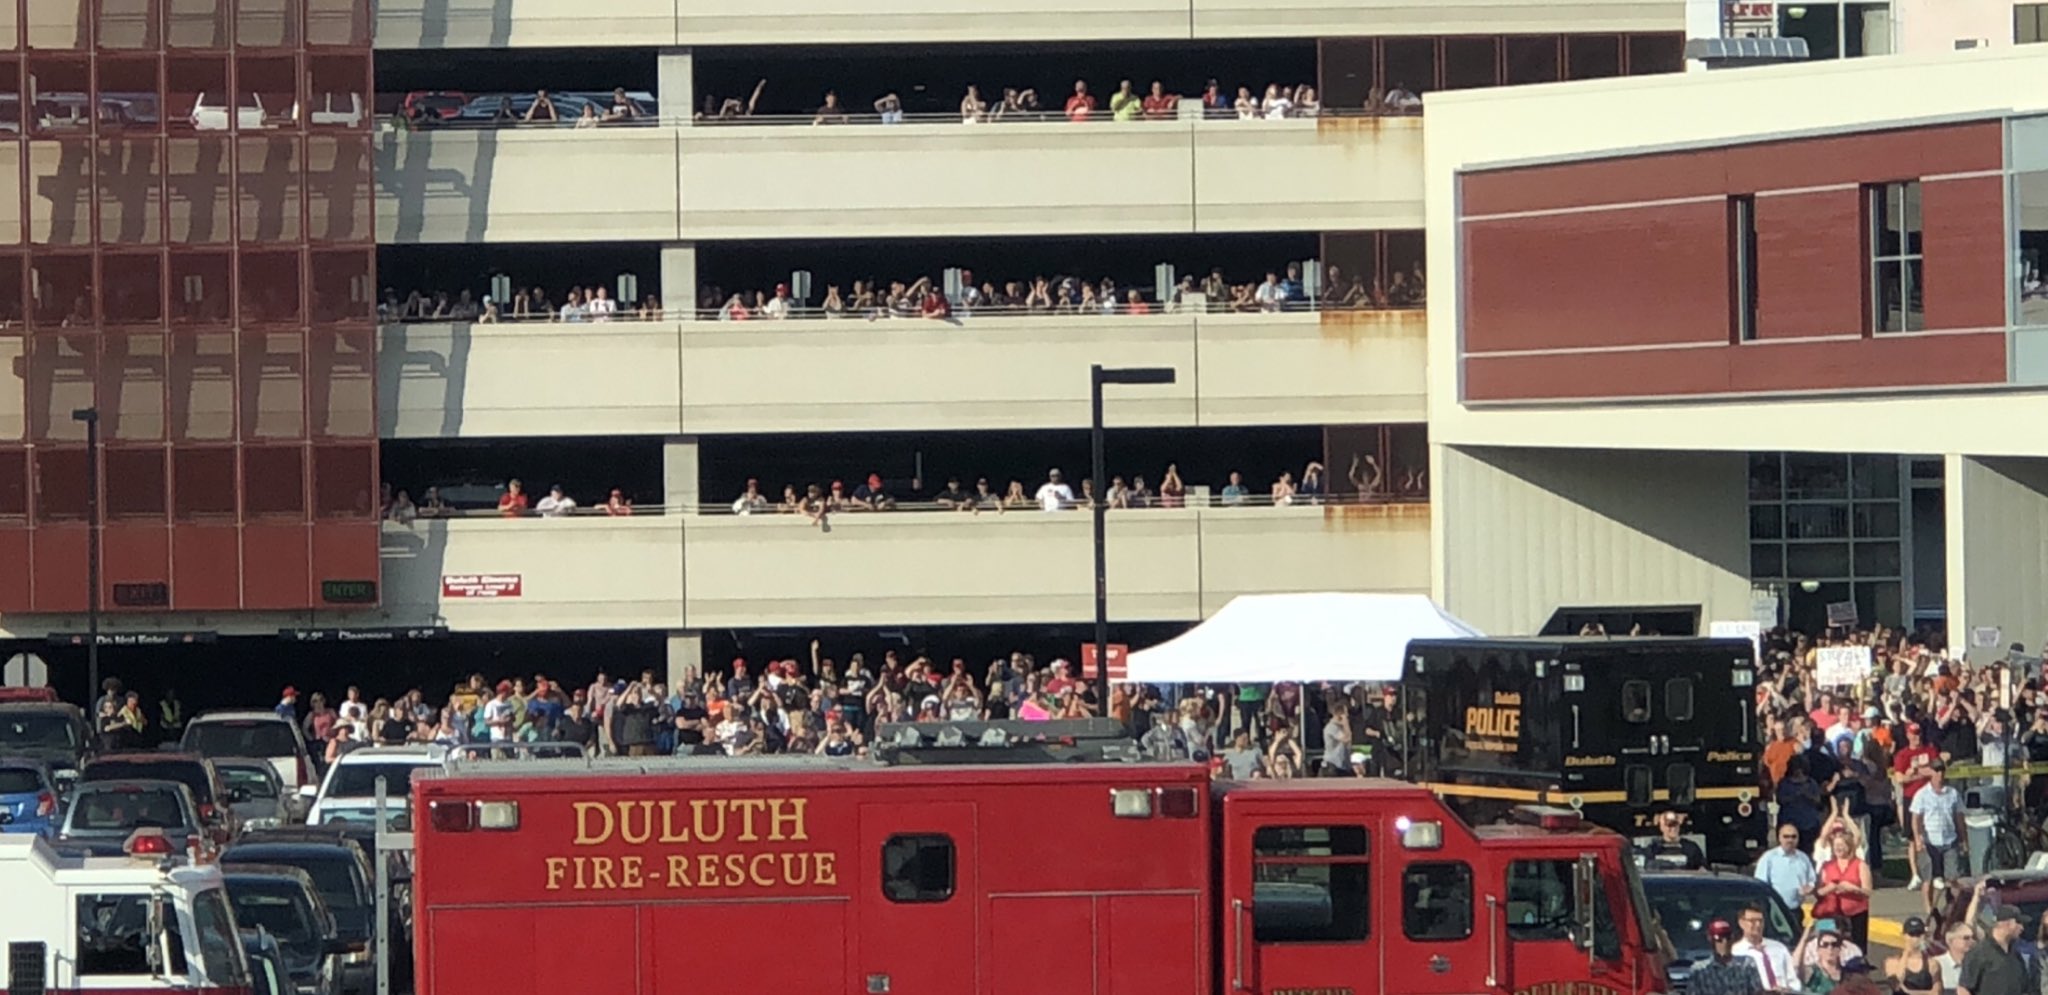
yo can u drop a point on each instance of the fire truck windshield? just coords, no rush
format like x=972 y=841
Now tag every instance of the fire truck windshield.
x=39 y=731
x=220 y=949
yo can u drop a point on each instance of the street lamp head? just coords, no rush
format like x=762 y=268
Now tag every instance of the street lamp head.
x=87 y=415
x=1136 y=374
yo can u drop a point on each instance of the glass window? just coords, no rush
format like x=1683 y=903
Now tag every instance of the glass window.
x=270 y=189
x=129 y=99
x=1817 y=559
x=1541 y=906
x=1742 y=239
x=1817 y=521
x=13 y=496
x=1766 y=559
x=1816 y=476
x=200 y=211
x=220 y=949
x=1877 y=521
x=1681 y=782
x=918 y=868
x=60 y=24
x=1310 y=884
x=1408 y=64
x=60 y=192
x=1533 y=59
x=1766 y=477
x=274 y=481
x=1635 y=701
x=14 y=378
x=341 y=23
x=2030 y=209
x=135 y=484
x=341 y=482
x=1893 y=215
x=1592 y=56
x=62 y=371
x=1875 y=475
x=250 y=738
x=2029 y=23
x=270 y=287
x=130 y=182
x=266 y=91
x=204 y=483
x=198 y=24
x=202 y=389
x=1436 y=901
x=273 y=385
x=114 y=934
x=1877 y=559
x=1656 y=53
x=10 y=184
x=1766 y=521
x=266 y=23
x=1637 y=782
x=128 y=24
x=1470 y=63
x=1347 y=72
x=134 y=295
x=342 y=389
x=1678 y=699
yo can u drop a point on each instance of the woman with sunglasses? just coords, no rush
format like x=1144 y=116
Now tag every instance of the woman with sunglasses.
x=1821 y=976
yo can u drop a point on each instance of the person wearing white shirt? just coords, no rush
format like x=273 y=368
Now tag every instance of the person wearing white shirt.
x=572 y=309
x=1054 y=494
x=778 y=306
x=556 y=504
x=601 y=306
x=1773 y=961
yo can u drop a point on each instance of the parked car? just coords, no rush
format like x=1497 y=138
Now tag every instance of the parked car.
x=252 y=733
x=256 y=794
x=50 y=731
x=28 y=797
x=331 y=109
x=1686 y=901
x=284 y=902
x=2026 y=889
x=441 y=104
x=267 y=973
x=103 y=814
x=484 y=109
x=349 y=791
x=196 y=773
x=210 y=112
x=341 y=874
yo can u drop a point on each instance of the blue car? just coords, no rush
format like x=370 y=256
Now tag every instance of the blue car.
x=28 y=798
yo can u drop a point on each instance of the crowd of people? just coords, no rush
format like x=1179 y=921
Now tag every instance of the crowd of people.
x=1127 y=102
x=1282 y=289
x=579 y=304
x=1368 y=479
x=513 y=501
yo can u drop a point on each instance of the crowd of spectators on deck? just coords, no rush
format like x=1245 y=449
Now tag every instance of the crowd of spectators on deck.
x=1127 y=101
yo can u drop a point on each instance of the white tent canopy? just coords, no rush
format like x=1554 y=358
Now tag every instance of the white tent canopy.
x=1264 y=638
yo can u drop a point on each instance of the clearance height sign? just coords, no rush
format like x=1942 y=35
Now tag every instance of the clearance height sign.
x=699 y=845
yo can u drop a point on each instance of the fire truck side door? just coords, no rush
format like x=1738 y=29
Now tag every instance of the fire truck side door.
x=1430 y=931
x=919 y=901
x=1297 y=905
x=1543 y=921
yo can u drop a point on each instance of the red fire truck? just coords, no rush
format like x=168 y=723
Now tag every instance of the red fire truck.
x=811 y=876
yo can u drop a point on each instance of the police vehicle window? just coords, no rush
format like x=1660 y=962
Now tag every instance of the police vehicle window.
x=1635 y=778
x=1310 y=884
x=113 y=936
x=1678 y=699
x=917 y=868
x=220 y=947
x=1679 y=780
x=1635 y=701
x=1436 y=901
x=1541 y=906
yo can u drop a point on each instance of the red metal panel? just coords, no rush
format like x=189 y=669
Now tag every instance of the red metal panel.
x=1023 y=930
x=206 y=567
x=686 y=942
x=134 y=553
x=1870 y=157
x=1964 y=225
x=1153 y=943
x=1810 y=264
x=1897 y=361
x=345 y=551
x=1602 y=278
x=60 y=569
x=535 y=952
x=276 y=565
x=15 y=567
x=1620 y=180
x=1880 y=361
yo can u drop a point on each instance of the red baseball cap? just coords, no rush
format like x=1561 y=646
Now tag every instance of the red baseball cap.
x=290 y=692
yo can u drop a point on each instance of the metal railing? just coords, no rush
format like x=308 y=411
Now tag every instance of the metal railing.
x=956 y=312
x=872 y=118
x=1022 y=504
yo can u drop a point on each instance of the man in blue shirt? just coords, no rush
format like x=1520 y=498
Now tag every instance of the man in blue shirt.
x=1787 y=869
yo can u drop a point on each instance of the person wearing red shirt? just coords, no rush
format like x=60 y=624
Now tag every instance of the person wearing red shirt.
x=1080 y=105
x=1909 y=765
x=935 y=304
x=513 y=503
x=1160 y=105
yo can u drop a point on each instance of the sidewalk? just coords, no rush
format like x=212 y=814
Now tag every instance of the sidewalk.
x=1889 y=909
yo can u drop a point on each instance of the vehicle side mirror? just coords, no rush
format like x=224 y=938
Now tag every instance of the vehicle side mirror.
x=237 y=796
x=1585 y=892
x=339 y=947
x=309 y=791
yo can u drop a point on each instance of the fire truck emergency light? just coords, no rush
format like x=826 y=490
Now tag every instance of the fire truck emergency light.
x=451 y=817
x=1420 y=835
x=497 y=815
x=1130 y=803
x=148 y=842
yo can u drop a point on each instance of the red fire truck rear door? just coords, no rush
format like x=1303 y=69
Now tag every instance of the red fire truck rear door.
x=919 y=899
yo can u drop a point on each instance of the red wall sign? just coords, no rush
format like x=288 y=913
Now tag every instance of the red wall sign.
x=480 y=585
x=1117 y=654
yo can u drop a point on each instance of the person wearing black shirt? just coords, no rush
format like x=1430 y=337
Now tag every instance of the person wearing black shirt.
x=636 y=710
x=953 y=498
x=690 y=726
x=574 y=728
x=1670 y=851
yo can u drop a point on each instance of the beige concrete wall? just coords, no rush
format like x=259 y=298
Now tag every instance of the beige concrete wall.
x=1337 y=18
x=1519 y=533
x=519 y=185
x=1928 y=27
x=1022 y=372
x=437 y=24
x=1337 y=368
x=576 y=573
x=1997 y=549
x=1331 y=548
x=1330 y=174
x=564 y=185
x=475 y=381
x=557 y=23
x=1470 y=128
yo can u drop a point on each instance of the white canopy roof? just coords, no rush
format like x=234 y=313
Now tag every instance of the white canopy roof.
x=1263 y=638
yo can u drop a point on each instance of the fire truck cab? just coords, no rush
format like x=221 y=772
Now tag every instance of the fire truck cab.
x=148 y=921
x=814 y=875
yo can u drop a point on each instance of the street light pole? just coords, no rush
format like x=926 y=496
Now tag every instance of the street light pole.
x=1097 y=376
x=91 y=418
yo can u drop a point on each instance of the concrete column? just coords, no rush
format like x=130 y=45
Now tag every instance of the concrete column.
x=679 y=279
x=679 y=474
x=1997 y=524
x=675 y=74
x=685 y=658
